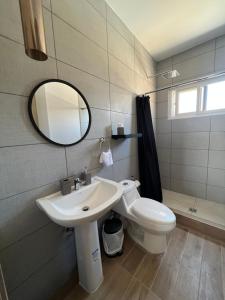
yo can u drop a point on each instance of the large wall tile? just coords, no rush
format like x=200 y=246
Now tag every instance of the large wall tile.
x=216 y=177
x=15 y=126
x=129 y=122
x=189 y=173
x=194 y=189
x=124 y=148
x=75 y=49
x=164 y=155
x=120 y=74
x=143 y=85
x=194 y=140
x=120 y=48
x=20 y=215
x=144 y=64
x=37 y=248
x=216 y=194
x=217 y=140
x=191 y=124
x=163 y=140
x=125 y=168
x=195 y=67
x=165 y=63
x=84 y=154
x=217 y=159
x=164 y=168
x=94 y=89
x=106 y=172
x=190 y=157
x=49 y=37
x=163 y=126
x=47 y=4
x=25 y=167
x=195 y=51
x=99 y=5
x=220 y=41
x=220 y=59
x=162 y=110
x=10 y=20
x=60 y=269
x=100 y=124
x=162 y=96
x=218 y=123
x=11 y=26
x=17 y=74
x=165 y=182
x=115 y=21
x=76 y=13
x=122 y=100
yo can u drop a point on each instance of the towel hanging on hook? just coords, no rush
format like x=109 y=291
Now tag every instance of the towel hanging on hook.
x=105 y=156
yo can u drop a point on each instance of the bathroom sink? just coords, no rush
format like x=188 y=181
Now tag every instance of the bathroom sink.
x=87 y=204
x=81 y=209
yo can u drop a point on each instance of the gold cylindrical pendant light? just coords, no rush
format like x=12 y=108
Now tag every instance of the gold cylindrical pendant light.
x=33 y=29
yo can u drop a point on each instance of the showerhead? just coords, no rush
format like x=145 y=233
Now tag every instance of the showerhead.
x=170 y=74
x=167 y=74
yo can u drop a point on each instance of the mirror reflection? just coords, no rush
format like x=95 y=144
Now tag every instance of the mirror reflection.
x=60 y=113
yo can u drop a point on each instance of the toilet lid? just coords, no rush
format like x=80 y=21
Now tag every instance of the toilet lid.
x=153 y=211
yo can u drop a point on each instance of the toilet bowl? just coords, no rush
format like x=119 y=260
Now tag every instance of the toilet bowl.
x=149 y=221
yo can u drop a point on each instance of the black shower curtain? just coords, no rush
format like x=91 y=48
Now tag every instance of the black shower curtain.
x=147 y=154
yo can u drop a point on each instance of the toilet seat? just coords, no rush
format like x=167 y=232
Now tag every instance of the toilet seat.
x=152 y=211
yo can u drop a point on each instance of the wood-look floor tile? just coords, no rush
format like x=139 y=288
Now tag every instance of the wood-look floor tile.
x=136 y=291
x=187 y=284
x=211 y=285
x=192 y=255
x=163 y=285
x=148 y=268
x=176 y=246
x=116 y=285
x=165 y=281
x=133 y=259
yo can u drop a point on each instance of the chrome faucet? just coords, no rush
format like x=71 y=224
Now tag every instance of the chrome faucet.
x=77 y=183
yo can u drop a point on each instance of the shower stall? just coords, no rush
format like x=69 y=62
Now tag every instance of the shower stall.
x=190 y=138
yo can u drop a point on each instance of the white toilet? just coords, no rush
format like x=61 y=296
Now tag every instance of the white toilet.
x=148 y=220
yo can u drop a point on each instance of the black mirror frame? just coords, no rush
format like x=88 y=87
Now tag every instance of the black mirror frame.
x=30 y=100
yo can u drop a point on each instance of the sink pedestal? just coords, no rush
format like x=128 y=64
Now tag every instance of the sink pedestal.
x=88 y=256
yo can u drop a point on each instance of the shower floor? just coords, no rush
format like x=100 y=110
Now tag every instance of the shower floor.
x=205 y=211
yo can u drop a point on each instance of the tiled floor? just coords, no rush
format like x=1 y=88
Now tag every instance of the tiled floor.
x=210 y=212
x=193 y=268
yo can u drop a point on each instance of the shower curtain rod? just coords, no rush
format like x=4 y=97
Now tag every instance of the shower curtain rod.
x=196 y=80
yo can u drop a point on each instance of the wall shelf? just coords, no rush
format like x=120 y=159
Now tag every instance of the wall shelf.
x=126 y=136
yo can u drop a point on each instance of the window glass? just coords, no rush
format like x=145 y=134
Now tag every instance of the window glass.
x=215 y=96
x=187 y=100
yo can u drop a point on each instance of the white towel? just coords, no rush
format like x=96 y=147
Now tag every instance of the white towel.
x=106 y=158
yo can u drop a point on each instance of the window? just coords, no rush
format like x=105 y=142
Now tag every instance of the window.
x=187 y=101
x=207 y=98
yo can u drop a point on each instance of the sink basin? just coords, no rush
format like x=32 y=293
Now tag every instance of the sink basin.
x=87 y=204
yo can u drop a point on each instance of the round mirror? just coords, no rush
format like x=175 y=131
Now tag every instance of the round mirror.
x=59 y=112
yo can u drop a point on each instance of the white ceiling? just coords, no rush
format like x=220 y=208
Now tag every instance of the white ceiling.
x=167 y=27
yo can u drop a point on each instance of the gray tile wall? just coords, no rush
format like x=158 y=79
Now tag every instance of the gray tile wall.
x=90 y=47
x=192 y=151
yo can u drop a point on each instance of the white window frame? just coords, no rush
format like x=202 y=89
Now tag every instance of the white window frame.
x=173 y=102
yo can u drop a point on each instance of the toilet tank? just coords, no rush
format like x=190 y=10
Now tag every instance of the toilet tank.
x=130 y=192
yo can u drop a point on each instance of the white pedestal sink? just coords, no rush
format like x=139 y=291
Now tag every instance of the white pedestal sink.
x=81 y=209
